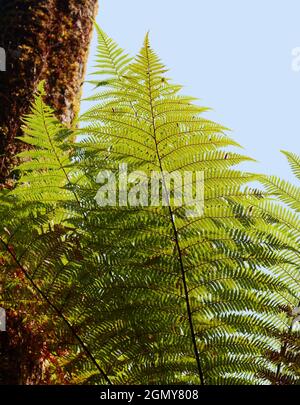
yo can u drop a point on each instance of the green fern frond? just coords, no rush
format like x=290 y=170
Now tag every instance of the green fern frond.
x=161 y=293
x=111 y=60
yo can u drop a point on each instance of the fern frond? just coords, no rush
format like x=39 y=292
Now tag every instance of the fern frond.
x=152 y=293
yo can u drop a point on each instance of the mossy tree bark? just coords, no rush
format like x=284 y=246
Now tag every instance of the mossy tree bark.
x=43 y=40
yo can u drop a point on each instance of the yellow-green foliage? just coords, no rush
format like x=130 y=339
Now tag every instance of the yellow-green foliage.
x=150 y=295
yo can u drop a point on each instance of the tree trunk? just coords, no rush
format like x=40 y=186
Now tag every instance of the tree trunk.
x=43 y=40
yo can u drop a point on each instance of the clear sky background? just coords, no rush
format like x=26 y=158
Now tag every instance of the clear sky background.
x=234 y=55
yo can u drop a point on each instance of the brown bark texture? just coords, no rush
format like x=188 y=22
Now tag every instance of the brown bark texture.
x=43 y=40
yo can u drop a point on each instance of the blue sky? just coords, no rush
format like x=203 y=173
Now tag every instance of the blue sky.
x=235 y=56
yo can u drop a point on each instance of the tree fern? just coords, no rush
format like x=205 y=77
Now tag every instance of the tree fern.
x=146 y=294
x=36 y=238
x=144 y=122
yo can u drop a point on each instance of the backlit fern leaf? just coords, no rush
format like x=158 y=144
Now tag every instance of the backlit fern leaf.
x=148 y=294
x=190 y=275
x=285 y=217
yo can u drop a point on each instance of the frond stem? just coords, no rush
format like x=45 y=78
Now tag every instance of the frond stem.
x=176 y=237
